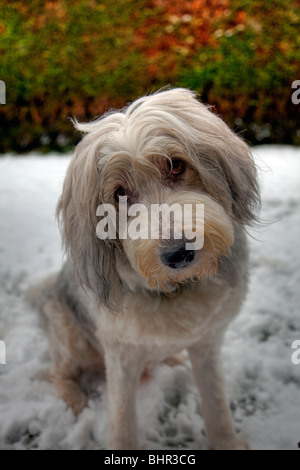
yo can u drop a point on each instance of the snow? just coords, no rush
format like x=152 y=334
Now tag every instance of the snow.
x=262 y=383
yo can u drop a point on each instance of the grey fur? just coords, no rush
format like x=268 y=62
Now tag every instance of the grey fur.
x=67 y=289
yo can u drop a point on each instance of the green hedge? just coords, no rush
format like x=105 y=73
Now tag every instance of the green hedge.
x=79 y=58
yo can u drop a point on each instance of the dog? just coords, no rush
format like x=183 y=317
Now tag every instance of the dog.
x=123 y=303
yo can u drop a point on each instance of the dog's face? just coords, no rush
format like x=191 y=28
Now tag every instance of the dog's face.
x=165 y=149
x=164 y=176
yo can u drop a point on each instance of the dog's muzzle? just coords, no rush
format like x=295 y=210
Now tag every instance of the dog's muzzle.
x=178 y=257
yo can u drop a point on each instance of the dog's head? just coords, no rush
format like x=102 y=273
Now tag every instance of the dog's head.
x=164 y=150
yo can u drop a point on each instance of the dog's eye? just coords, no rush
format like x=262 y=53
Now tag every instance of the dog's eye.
x=177 y=167
x=120 y=194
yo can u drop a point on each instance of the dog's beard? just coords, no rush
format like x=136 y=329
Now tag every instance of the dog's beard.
x=218 y=234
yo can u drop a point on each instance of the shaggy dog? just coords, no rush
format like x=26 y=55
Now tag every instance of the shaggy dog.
x=126 y=302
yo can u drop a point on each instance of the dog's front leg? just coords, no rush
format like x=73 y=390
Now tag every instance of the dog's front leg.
x=124 y=365
x=220 y=431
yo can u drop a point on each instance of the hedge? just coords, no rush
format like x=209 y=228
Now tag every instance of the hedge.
x=79 y=58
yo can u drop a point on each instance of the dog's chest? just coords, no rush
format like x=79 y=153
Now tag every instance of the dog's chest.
x=163 y=326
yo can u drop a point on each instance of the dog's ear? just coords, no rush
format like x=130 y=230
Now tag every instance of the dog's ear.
x=223 y=159
x=94 y=259
x=238 y=170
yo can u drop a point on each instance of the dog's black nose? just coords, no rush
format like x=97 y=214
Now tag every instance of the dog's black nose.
x=178 y=257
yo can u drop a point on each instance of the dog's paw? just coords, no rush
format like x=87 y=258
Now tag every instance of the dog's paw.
x=72 y=394
x=77 y=403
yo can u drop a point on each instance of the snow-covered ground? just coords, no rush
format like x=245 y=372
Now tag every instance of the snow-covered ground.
x=263 y=384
